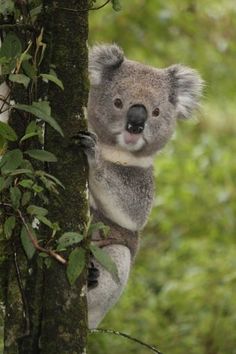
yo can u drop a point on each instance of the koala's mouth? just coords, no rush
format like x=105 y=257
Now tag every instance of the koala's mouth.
x=129 y=141
x=130 y=138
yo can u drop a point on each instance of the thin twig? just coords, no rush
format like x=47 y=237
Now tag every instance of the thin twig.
x=35 y=242
x=5 y=101
x=83 y=10
x=101 y=6
x=121 y=334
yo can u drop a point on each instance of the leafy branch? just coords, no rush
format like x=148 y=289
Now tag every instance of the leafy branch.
x=50 y=252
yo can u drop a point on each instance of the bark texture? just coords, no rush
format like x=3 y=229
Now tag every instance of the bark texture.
x=64 y=313
x=57 y=312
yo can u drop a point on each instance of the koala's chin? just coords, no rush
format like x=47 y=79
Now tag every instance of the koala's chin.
x=130 y=142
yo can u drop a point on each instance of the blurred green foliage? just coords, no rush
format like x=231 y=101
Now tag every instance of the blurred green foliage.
x=181 y=293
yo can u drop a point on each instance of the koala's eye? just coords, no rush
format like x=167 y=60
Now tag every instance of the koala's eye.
x=118 y=103
x=156 y=112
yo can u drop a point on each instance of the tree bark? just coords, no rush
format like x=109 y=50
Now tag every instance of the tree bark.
x=64 y=322
x=57 y=311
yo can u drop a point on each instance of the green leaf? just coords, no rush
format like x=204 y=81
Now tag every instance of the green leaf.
x=25 y=57
x=45 y=221
x=75 y=265
x=54 y=79
x=11 y=46
x=35 y=12
x=99 y=226
x=41 y=155
x=105 y=260
x=3 y=144
x=48 y=262
x=28 y=136
x=56 y=180
x=26 y=164
x=7 y=132
x=32 y=130
x=69 y=239
x=37 y=189
x=29 y=69
x=36 y=210
x=41 y=110
x=7 y=182
x=31 y=127
x=43 y=255
x=6 y=7
x=116 y=5
x=26 y=198
x=48 y=184
x=11 y=160
x=20 y=79
x=15 y=195
x=2 y=183
x=9 y=226
x=26 y=242
x=21 y=171
x=26 y=183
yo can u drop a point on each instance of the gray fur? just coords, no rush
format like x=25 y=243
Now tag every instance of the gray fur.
x=135 y=183
x=187 y=89
x=121 y=185
x=103 y=57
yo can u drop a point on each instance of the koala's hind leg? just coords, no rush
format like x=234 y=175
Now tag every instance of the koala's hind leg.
x=107 y=292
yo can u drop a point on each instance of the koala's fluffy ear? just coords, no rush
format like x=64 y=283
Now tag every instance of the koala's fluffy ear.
x=186 y=89
x=101 y=58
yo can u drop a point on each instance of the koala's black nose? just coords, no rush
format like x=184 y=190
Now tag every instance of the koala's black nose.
x=136 y=118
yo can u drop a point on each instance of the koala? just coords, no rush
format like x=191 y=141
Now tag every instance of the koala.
x=132 y=114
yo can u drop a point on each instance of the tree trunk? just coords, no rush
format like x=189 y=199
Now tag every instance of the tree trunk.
x=56 y=311
x=64 y=316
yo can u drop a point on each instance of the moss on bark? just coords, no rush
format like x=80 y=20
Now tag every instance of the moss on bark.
x=65 y=314
x=57 y=311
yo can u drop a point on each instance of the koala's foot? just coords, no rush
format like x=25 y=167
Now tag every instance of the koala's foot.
x=93 y=275
x=87 y=141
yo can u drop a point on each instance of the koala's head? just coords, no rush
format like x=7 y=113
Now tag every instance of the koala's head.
x=135 y=106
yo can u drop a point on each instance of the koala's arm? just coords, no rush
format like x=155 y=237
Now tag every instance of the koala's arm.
x=107 y=292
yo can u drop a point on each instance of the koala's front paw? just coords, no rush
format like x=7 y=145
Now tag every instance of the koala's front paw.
x=93 y=275
x=87 y=141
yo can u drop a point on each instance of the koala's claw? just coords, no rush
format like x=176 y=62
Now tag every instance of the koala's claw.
x=85 y=134
x=87 y=140
x=93 y=275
